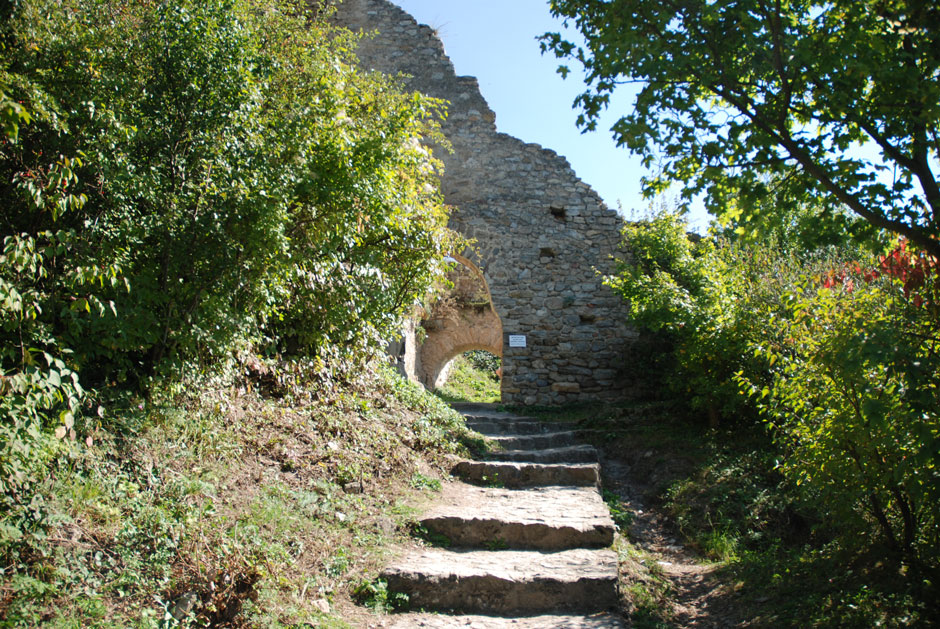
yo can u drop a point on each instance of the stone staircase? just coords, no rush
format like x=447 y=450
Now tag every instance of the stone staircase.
x=528 y=534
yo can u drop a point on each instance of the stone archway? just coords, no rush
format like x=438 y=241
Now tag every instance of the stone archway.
x=460 y=321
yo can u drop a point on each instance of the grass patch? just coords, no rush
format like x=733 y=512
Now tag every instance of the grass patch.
x=229 y=508
x=375 y=595
x=645 y=592
x=619 y=512
x=420 y=481
x=470 y=381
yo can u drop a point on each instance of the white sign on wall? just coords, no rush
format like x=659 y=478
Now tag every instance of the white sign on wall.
x=517 y=340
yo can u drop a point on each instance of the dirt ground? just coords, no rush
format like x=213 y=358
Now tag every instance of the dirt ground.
x=698 y=597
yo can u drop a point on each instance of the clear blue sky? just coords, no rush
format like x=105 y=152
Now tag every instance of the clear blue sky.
x=495 y=41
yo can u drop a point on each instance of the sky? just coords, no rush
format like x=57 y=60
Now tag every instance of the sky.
x=496 y=41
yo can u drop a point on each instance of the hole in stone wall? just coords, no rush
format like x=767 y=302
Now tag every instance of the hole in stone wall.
x=558 y=213
x=546 y=252
x=587 y=318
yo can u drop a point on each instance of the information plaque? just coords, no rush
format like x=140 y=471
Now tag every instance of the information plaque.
x=517 y=340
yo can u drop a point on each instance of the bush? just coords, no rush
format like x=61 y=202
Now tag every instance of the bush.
x=185 y=183
x=228 y=164
x=694 y=294
x=842 y=361
x=484 y=361
x=853 y=402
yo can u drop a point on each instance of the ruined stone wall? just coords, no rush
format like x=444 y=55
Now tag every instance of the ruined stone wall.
x=540 y=231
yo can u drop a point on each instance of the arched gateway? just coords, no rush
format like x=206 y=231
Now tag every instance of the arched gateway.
x=462 y=320
x=542 y=235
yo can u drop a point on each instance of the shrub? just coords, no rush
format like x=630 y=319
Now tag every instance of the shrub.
x=187 y=182
x=694 y=293
x=853 y=402
x=229 y=164
x=841 y=359
x=484 y=361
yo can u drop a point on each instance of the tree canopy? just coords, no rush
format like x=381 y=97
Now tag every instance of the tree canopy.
x=834 y=103
x=211 y=173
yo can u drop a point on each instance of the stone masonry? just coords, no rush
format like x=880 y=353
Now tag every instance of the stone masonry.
x=542 y=235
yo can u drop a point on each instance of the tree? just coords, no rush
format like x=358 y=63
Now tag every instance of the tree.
x=238 y=174
x=836 y=101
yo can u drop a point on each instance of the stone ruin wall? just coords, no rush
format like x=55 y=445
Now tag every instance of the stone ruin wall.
x=540 y=231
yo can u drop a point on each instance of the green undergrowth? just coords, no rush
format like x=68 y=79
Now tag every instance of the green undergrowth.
x=781 y=563
x=645 y=592
x=471 y=381
x=225 y=507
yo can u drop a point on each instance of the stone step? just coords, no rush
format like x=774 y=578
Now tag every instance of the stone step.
x=506 y=582
x=440 y=621
x=544 y=518
x=497 y=415
x=569 y=454
x=478 y=408
x=496 y=427
x=519 y=474
x=507 y=418
x=536 y=442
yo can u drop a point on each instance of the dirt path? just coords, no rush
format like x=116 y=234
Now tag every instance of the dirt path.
x=698 y=597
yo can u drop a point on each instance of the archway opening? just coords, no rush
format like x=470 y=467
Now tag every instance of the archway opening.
x=461 y=321
x=473 y=376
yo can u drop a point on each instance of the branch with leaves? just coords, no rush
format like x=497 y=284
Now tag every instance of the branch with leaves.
x=736 y=93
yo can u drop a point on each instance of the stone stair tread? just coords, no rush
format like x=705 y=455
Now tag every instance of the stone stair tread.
x=548 y=518
x=498 y=415
x=510 y=418
x=474 y=408
x=508 y=581
x=537 y=435
x=439 y=621
x=515 y=474
x=495 y=428
x=536 y=442
x=566 y=454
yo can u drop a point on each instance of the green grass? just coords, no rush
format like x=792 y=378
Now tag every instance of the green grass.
x=469 y=383
x=420 y=481
x=645 y=591
x=621 y=515
x=253 y=507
